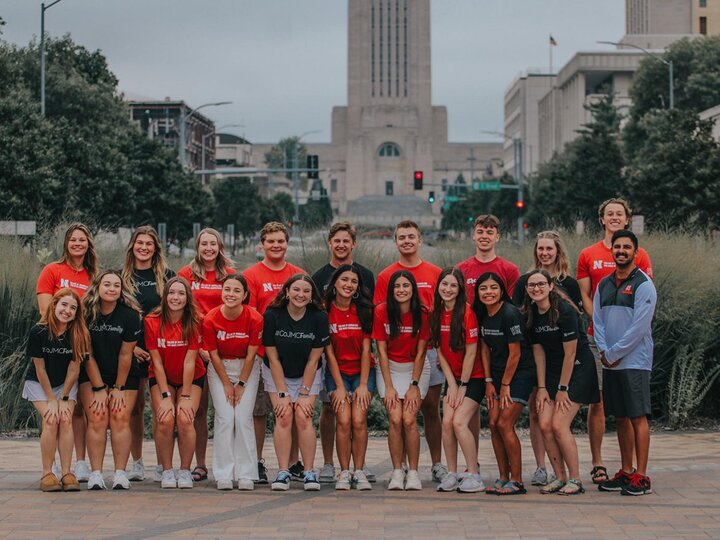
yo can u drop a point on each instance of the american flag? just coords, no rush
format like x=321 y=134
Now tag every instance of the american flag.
x=552 y=41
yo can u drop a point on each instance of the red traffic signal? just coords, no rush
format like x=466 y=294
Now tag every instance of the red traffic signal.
x=520 y=205
x=418 y=180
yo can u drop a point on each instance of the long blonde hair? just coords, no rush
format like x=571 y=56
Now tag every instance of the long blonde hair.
x=561 y=267
x=76 y=329
x=158 y=263
x=91 y=300
x=90 y=261
x=197 y=267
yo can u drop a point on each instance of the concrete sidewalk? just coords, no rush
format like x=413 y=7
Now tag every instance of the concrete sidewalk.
x=684 y=467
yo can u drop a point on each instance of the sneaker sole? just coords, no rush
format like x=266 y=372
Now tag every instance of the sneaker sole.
x=279 y=487
x=443 y=490
x=96 y=488
x=166 y=486
x=326 y=480
x=119 y=487
x=261 y=481
x=479 y=490
x=136 y=478
x=609 y=490
x=363 y=488
x=638 y=494
x=396 y=488
x=345 y=487
x=312 y=487
x=184 y=487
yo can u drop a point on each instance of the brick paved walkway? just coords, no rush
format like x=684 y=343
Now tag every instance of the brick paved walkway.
x=685 y=469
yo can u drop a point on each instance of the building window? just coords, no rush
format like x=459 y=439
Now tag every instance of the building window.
x=389 y=188
x=703 y=26
x=703 y=3
x=389 y=149
x=333 y=185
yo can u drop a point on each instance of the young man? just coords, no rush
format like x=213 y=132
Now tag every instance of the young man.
x=594 y=263
x=623 y=310
x=408 y=240
x=265 y=279
x=342 y=240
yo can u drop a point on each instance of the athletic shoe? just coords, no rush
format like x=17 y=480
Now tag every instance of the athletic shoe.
x=95 y=481
x=439 y=472
x=224 y=485
x=539 y=477
x=311 y=481
x=158 y=473
x=397 y=480
x=56 y=471
x=369 y=474
x=361 y=480
x=449 y=483
x=327 y=474
x=184 y=479
x=168 y=480
x=82 y=471
x=245 y=484
x=121 y=480
x=638 y=485
x=297 y=471
x=616 y=483
x=262 y=473
x=412 y=481
x=343 y=481
x=137 y=473
x=472 y=483
x=281 y=482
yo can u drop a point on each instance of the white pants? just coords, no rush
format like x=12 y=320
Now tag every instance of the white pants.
x=234 y=451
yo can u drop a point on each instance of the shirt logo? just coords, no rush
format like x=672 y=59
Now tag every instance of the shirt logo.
x=515 y=330
x=64 y=283
x=473 y=332
x=221 y=335
x=195 y=286
x=161 y=343
x=267 y=287
x=628 y=289
x=597 y=265
x=333 y=328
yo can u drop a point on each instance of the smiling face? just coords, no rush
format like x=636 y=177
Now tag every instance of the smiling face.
x=448 y=288
x=347 y=284
x=538 y=288
x=546 y=252
x=407 y=240
x=233 y=293
x=300 y=294
x=485 y=238
x=623 y=252
x=341 y=246
x=176 y=297
x=110 y=288
x=66 y=309
x=489 y=292
x=208 y=248
x=614 y=218
x=275 y=246
x=77 y=244
x=143 y=248
x=402 y=290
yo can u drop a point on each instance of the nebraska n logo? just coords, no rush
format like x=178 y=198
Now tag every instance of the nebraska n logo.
x=161 y=343
x=267 y=287
x=195 y=286
x=333 y=328
x=597 y=265
x=221 y=335
x=64 y=283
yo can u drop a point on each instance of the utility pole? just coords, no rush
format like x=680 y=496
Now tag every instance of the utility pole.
x=43 y=9
x=472 y=159
x=518 y=152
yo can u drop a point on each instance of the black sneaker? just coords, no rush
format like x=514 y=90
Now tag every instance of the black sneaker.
x=282 y=482
x=297 y=471
x=262 y=473
x=638 y=485
x=616 y=483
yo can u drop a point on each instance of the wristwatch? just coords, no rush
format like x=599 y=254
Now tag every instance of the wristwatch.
x=306 y=388
x=282 y=395
x=116 y=387
x=185 y=396
x=65 y=398
x=165 y=395
x=488 y=379
x=99 y=388
x=241 y=384
x=563 y=387
x=415 y=382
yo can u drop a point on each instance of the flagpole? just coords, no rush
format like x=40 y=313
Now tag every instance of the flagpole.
x=550 y=47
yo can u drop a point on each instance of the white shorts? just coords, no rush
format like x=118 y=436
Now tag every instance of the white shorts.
x=401 y=375
x=293 y=385
x=33 y=391
x=436 y=374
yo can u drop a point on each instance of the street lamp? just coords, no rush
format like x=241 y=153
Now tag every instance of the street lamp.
x=205 y=137
x=183 y=129
x=43 y=9
x=668 y=63
x=296 y=173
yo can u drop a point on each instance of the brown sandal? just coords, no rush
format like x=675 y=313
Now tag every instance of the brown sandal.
x=199 y=473
x=69 y=482
x=599 y=474
x=49 y=483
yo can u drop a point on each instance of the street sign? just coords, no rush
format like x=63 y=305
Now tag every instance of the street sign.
x=451 y=198
x=486 y=186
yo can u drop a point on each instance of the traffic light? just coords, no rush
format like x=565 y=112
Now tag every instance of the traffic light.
x=431 y=197
x=418 y=180
x=313 y=166
x=520 y=205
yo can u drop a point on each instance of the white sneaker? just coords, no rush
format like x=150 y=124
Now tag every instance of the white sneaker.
x=95 y=481
x=412 y=481
x=343 y=481
x=472 y=483
x=449 y=483
x=158 y=472
x=121 y=480
x=184 y=479
x=362 y=483
x=137 y=473
x=397 y=480
x=82 y=471
x=439 y=472
x=56 y=471
x=327 y=474
x=168 y=480
x=225 y=485
x=245 y=484
x=369 y=474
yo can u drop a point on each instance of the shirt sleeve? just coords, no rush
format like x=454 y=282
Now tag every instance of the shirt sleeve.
x=645 y=300
x=132 y=330
x=270 y=323
x=598 y=320
x=46 y=281
x=472 y=329
x=513 y=326
x=643 y=262
x=378 y=332
x=194 y=341
x=209 y=336
x=322 y=330
x=568 y=322
x=34 y=343
x=150 y=335
x=582 y=267
x=253 y=300
x=256 y=331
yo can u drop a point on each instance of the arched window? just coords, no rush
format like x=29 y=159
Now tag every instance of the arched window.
x=389 y=149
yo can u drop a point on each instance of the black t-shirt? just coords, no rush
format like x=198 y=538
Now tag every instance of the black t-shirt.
x=293 y=339
x=57 y=353
x=107 y=334
x=503 y=328
x=568 y=284
x=322 y=278
x=147 y=295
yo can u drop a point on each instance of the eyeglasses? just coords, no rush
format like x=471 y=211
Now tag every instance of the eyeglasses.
x=540 y=285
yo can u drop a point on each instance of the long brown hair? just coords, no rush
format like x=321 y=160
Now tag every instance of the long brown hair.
x=76 y=329
x=197 y=267
x=190 y=319
x=91 y=300
x=562 y=264
x=393 y=307
x=457 y=317
x=282 y=300
x=556 y=295
x=90 y=261
x=158 y=263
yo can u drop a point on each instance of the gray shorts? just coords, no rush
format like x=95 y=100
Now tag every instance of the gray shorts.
x=598 y=363
x=626 y=392
x=33 y=391
x=436 y=374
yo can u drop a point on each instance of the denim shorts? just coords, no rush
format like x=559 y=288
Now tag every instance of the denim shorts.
x=351 y=382
x=520 y=388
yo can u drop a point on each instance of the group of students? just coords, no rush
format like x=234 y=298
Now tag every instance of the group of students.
x=275 y=339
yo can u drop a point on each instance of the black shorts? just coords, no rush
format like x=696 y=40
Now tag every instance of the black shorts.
x=583 y=386
x=475 y=389
x=200 y=381
x=141 y=368
x=131 y=383
x=626 y=392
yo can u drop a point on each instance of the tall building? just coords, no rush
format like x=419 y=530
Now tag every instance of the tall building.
x=654 y=24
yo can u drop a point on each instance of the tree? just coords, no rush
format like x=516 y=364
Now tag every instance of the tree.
x=282 y=155
x=238 y=203
x=316 y=212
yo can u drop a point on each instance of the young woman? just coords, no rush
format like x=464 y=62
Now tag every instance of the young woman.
x=177 y=377
x=75 y=269
x=454 y=333
x=232 y=334
x=56 y=346
x=566 y=375
x=294 y=335
x=350 y=377
x=205 y=273
x=508 y=359
x=549 y=253
x=108 y=382
x=401 y=330
x=144 y=274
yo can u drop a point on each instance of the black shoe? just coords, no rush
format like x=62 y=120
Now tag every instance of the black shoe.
x=262 y=473
x=297 y=471
x=616 y=483
x=638 y=485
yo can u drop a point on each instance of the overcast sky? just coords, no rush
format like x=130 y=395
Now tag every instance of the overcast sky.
x=283 y=63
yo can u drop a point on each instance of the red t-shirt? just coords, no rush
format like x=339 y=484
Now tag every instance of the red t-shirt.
x=426 y=275
x=56 y=276
x=172 y=348
x=596 y=262
x=455 y=358
x=404 y=347
x=264 y=283
x=231 y=339
x=346 y=336
x=472 y=269
x=206 y=293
